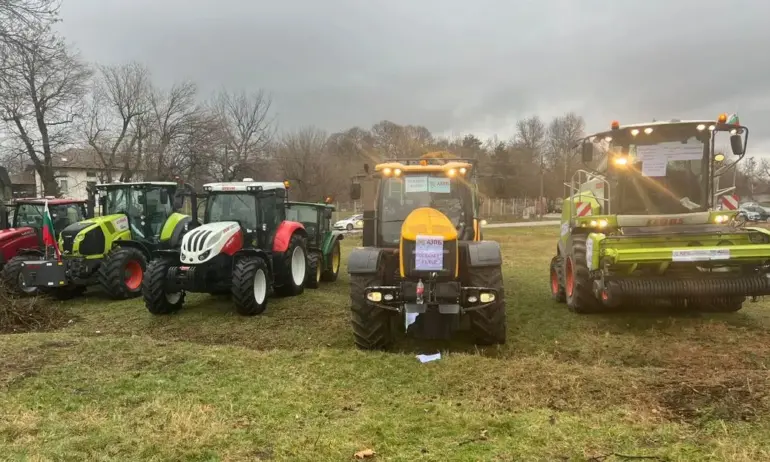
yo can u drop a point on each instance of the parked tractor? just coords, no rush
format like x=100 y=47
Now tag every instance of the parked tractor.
x=323 y=243
x=642 y=227
x=424 y=268
x=112 y=250
x=247 y=248
x=21 y=236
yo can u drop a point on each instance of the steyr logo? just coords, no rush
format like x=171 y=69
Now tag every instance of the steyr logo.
x=665 y=221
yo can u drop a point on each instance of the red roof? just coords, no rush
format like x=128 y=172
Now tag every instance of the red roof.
x=41 y=201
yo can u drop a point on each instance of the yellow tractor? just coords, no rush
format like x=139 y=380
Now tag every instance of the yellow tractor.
x=424 y=268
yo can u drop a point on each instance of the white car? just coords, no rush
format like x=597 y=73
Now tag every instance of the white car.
x=349 y=224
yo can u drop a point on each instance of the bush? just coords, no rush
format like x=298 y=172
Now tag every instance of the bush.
x=29 y=314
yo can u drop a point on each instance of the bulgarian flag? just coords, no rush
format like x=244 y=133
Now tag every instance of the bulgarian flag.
x=49 y=234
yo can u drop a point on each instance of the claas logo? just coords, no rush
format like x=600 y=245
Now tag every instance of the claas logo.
x=665 y=221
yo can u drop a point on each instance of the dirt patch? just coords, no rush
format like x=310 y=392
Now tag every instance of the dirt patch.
x=727 y=398
x=29 y=314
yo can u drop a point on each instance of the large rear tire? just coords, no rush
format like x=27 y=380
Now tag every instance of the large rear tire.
x=251 y=286
x=332 y=270
x=556 y=280
x=156 y=299
x=12 y=278
x=372 y=326
x=122 y=272
x=294 y=265
x=489 y=325
x=577 y=280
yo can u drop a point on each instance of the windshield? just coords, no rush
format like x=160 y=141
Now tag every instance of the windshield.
x=62 y=215
x=662 y=176
x=400 y=196
x=240 y=207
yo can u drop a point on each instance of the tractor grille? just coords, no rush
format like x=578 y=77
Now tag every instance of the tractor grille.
x=196 y=239
x=448 y=267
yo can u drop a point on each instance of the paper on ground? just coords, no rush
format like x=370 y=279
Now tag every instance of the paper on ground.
x=411 y=318
x=428 y=358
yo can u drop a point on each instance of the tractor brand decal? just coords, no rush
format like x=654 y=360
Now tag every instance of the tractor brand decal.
x=590 y=253
x=229 y=188
x=583 y=209
x=730 y=202
x=700 y=254
x=121 y=224
x=429 y=253
x=564 y=229
x=665 y=221
x=416 y=184
x=439 y=185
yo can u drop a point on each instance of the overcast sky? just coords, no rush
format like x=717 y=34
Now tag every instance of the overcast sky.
x=452 y=66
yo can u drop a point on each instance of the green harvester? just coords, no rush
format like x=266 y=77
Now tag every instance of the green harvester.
x=649 y=223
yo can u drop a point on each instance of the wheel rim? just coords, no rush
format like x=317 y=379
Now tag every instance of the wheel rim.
x=133 y=275
x=174 y=298
x=336 y=259
x=298 y=265
x=24 y=288
x=349 y=227
x=570 y=278
x=260 y=286
x=554 y=281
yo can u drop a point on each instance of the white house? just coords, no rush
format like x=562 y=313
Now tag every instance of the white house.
x=75 y=170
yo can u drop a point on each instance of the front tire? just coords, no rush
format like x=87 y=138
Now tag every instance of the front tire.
x=250 y=286
x=557 y=281
x=372 y=326
x=12 y=278
x=122 y=272
x=313 y=276
x=577 y=284
x=294 y=267
x=349 y=227
x=489 y=326
x=156 y=299
x=332 y=271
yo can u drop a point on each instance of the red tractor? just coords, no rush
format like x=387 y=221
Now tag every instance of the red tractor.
x=21 y=235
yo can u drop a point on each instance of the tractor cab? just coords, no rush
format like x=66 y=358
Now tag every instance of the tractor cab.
x=146 y=206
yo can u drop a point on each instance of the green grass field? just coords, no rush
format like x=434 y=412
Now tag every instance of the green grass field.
x=205 y=384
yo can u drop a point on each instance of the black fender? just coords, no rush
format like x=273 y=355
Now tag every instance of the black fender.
x=364 y=260
x=147 y=251
x=482 y=254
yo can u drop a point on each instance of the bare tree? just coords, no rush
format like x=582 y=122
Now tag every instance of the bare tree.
x=41 y=89
x=170 y=112
x=118 y=122
x=563 y=132
x=306 y=163
x=248 y=129
x=19 y=18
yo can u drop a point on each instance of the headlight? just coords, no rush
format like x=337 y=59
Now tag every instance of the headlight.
x=487 y=298
x=720 y=219
x=374 y=296
x=204 y=255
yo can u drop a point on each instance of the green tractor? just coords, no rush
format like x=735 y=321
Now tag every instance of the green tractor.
x=112 y=250
x=323 y=243
x=643 y=226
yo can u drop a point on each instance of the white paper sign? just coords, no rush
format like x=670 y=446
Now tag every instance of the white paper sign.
x=590 y=253
x=670 y=151
x=416 y=184
x=700 y=254
x=439 y=185
x=429 y=253
x=654 y=167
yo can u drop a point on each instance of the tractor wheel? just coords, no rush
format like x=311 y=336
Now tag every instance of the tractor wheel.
x=314 y=270
x=12 y=278
x=292 y=281
x=718 y=304
x=156 y=299
x=332 y=269
x=489 y=325
x=251 y=285
x=349 y=227
x=122 y=272
x=556 y=280
x=372 y=326
x=577 y=281
x=67 y=292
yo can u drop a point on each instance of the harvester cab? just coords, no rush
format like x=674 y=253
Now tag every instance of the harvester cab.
x=323 y=243
x=642 y=225
x=423 y=266
x=23 y=238
x=246 y=248
x=112 y=249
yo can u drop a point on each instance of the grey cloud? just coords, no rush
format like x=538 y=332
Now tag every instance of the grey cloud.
x=450 y=65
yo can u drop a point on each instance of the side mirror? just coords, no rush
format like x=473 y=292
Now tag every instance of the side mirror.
x=736 y=143
x=355 y=191
x=281 y=193
x=327 y=214
x=164 y=197
x=178 y=201
x=587 y=151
